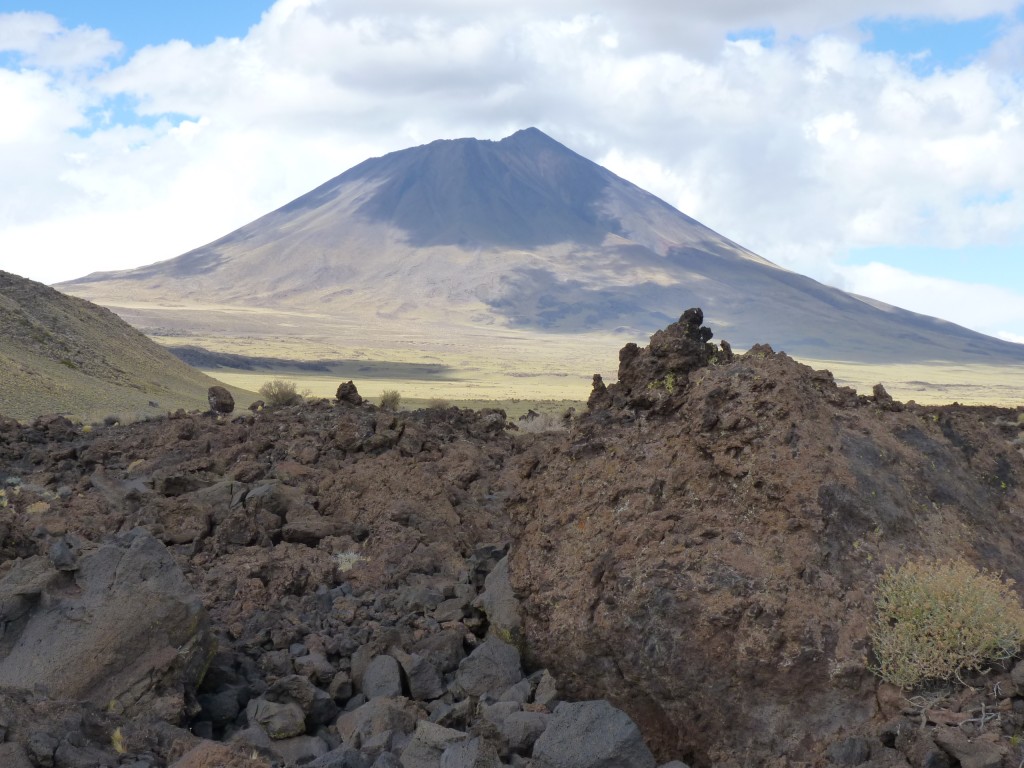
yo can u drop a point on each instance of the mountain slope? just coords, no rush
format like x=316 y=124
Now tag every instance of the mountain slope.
x=520 y=234
x=60 y=354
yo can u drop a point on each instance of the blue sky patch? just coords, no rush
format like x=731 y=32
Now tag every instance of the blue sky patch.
x=137 y=24
x=764 y=35
x=987 y=264
x=122 y=110
x=930 y=45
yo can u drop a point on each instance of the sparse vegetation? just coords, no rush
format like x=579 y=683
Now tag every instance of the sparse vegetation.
x=542 y=422
x=668 y=383
x=936 y=619
x=278 y=392
x=390 y=399
x=439 y=403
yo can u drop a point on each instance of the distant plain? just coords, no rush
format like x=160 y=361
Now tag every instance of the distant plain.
x=511 y=368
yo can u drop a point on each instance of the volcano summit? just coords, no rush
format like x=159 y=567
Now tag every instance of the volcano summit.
x=477 y=241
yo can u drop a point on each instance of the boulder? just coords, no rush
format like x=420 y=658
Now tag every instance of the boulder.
x=492 y=668
x=428 y=744
x=279 y=720
x=342 y=757
x=499 y=602
x=382 y=677
x=425 y=682
x=123 y=631
x=347 y=393
x=661 y=369
x=209 y=754
x=475 y=753
x=977 y=753
x=591 y=734
x=374 y=718
x=220 y=400
x=13 y=756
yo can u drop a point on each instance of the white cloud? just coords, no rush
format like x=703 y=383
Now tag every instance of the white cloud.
x=800 y=151
x=42 y=42
x=984 y=307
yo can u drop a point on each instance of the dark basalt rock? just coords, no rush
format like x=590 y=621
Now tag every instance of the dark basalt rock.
x=659 y=372
x=347 y=393
x=221 y=401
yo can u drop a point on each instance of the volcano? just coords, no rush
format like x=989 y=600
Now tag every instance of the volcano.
x=469 y=238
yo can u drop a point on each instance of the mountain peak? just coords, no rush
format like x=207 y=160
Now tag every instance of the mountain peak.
x=525 y=233
x=523 y=191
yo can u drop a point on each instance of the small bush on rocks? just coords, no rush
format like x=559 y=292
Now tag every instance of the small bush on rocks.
x=279 y=392
x=389 y=399
x=935 y=619
x=543 y=422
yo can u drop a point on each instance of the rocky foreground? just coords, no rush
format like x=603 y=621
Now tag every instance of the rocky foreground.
x=683 y=573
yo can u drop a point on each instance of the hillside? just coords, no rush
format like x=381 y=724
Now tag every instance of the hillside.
x=61 y=354
x=478 y=242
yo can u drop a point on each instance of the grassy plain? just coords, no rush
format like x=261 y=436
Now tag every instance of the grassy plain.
x=430 y=359
x=479 y=381
x=936 y=383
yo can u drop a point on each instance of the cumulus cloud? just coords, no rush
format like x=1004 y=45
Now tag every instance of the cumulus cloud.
x=985 y=307
x=40 y=41
x=800 y=148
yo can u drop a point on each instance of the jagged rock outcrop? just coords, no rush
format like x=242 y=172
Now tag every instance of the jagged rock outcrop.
x=650 y=375
x=347 y=393
x=716 y=556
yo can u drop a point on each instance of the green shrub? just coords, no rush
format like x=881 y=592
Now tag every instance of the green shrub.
x=279 y=392
x=935 y=619
x=389 y=399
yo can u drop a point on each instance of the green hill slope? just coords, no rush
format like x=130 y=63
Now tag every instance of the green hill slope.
x=60 y=354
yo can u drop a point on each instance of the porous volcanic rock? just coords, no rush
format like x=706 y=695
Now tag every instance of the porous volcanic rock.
x=698 y=550
x=705 y=556
x=121 y=630
x=221 y=401
x=347 y=393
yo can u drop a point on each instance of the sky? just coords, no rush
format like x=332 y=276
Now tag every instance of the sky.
x=874 y=145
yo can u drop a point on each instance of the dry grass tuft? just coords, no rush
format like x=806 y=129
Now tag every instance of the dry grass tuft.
x=278 y=392
x=936 y=619
x=390 y=399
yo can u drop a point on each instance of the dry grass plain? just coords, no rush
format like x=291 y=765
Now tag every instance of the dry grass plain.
x=936 y=383
x=431 y=359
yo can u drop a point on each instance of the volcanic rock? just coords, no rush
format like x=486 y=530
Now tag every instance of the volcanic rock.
x=661 y=369
x=591 y=734
x=347 y=393
x=221 y=401
x=382 y=677
x=700 y=557
x=124 y=630
x=491 y=668
x=428 y=743
x=499 y=602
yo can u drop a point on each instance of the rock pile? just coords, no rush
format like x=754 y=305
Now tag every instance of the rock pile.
x=353 y=567
x=684 y=573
